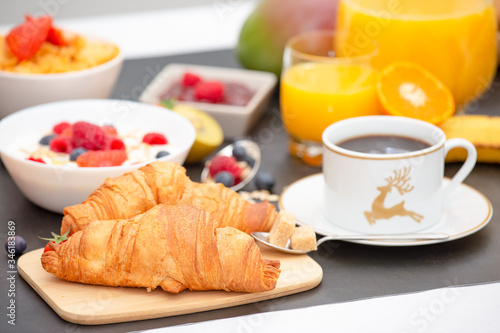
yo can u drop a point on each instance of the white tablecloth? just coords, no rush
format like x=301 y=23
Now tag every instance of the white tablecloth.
x=468 y=309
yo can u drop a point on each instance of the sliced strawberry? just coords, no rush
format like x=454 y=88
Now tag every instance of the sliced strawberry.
x=56 y=37
x=25 y=40
x=36 y=159
x=102 y=158
x=154 y=138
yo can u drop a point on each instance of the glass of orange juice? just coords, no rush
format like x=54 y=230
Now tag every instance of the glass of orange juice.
x=454 y=39
x=318 y=88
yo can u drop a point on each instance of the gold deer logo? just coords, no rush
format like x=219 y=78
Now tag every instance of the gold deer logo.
x=400 y=182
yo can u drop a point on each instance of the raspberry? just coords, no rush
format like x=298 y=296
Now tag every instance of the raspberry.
x=61 y=127
x=61 y=144
x=209 y=91
x=102 y=158
x=224 y=163
x=88 y=136
x=155 y=139
x=117 y=144
x=35 y=159
x=190 y=79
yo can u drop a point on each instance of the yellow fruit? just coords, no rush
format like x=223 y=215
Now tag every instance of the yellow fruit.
x=483 y=131
x=209 y=134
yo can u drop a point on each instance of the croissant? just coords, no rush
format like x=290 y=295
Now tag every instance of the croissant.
x=166 y=183
x=174 y=247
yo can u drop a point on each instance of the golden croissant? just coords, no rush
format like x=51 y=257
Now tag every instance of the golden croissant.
x=174 y=247
x=166 y=183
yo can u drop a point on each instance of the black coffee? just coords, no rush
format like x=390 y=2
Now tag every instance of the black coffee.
x=383 y=144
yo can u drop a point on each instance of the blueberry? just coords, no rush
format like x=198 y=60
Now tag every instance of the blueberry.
x=76 y=152
x=264 y=181
x=250 y=161
x=239 y=152
x=18 y=243
x=46 y=139
x=162 y=153
x=225 y=178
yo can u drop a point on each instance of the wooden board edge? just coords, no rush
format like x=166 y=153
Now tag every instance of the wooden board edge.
x=98 y=320
x=74 y=318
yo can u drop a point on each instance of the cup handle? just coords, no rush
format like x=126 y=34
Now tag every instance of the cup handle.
x=466 y=168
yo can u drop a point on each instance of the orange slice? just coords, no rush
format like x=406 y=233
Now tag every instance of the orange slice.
x=407 y=89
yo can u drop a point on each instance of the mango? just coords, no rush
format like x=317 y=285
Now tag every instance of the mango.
x=482 y=130
x=265 y=32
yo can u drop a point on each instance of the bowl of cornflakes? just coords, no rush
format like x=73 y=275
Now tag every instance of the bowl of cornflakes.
x=41 y=63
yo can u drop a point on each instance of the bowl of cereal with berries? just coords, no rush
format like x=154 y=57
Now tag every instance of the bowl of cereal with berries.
x=58 y=153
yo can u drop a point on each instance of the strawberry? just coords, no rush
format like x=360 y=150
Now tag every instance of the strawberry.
x=102 y=158
x=47 y=247
x=155 y=139
x=190 y=79
x=35 y=159
x=24 y=40
x=55 y=240
x=209 y=91
x=55 y=36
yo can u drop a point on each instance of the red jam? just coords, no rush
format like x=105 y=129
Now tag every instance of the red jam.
x=235 y=94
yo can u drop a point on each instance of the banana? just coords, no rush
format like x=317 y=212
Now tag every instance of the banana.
x=482 y=130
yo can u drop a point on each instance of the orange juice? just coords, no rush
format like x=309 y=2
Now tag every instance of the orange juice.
x=314 y=95
x=453 y=39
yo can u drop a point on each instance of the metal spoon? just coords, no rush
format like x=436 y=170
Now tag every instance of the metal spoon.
x=262 y=237
x=252 y=150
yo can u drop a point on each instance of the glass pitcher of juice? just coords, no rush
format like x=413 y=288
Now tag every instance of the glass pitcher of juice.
x=318 y=88
x=456 y=40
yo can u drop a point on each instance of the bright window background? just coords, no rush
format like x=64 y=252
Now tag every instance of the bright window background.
x=142 y=28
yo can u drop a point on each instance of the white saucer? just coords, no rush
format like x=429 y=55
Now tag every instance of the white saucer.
x=467 y=211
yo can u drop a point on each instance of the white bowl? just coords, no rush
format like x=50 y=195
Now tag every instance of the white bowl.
x=236 y=121
x=19 y=90
x=55 y=187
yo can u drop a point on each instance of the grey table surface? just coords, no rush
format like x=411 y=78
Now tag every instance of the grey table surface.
x=351 y=271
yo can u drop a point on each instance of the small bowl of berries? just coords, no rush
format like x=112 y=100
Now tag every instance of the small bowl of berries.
x=235 y=97
x=59 y=153
x=234 y=166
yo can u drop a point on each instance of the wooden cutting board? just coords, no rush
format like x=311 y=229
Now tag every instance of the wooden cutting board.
x=94 y=305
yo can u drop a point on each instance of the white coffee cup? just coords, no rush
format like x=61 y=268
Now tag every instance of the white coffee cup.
x=388 y=193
